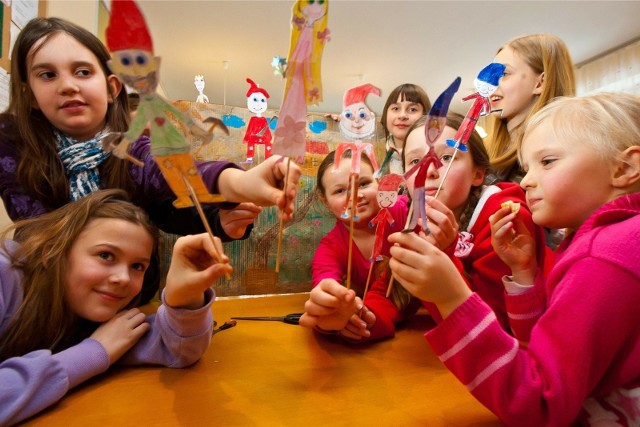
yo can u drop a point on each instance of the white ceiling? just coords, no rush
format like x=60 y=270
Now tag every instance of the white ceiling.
x=384 y=43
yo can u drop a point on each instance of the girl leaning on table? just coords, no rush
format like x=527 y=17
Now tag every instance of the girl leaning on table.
x=68 y=292
x=575 y=358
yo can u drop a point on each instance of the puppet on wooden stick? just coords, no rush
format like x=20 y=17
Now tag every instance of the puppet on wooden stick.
x=303 y=85
x=133 y=61
x=357 y=122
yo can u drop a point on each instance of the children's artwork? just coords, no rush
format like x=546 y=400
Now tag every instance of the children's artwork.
x=434 y=124
x=388 y=189
x=357 y=122
x=303 y=85
x=198 y=81
x=133 y=61
x=258 y=129
x=486 y=83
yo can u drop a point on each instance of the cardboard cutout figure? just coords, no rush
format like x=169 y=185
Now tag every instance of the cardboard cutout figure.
x=387 y=196
x=434 y=124
x=258 y=127
x=133 y=61
x=198 y=81
x=303 y=86
x=486 y=83
x=357 y=122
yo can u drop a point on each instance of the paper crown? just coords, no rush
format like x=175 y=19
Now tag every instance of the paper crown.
x=359 y=94
x=127 y=28
x=255 y=89
x=491 y=73
x=390 y=182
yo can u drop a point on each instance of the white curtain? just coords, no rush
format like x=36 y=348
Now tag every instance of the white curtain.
x=618 y=71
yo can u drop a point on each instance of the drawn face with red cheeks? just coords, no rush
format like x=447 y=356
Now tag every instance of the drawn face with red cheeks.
x=69 y=86
x=462 y=175
x=400 y=116
x=337 y=185
x=518 y=89
x=106 y=265
x=566 y=181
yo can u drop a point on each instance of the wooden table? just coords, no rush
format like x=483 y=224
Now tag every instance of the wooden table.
x=275 y=374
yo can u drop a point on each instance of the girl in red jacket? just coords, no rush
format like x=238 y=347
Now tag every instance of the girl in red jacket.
x=458 y=225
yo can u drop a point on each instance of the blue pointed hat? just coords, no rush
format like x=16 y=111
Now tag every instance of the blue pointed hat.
x=491 y=73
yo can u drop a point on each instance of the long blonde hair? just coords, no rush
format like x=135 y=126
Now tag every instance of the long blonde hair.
x=544 y=53
x=44 y=319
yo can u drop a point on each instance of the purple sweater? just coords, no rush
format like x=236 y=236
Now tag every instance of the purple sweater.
x=37 y=380
x=580 y=356
x=151 y=192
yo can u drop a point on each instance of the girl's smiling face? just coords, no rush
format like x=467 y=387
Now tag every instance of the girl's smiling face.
x=462 y=175
x=400 y=116
x=69 y=85
x=519 y=87
x=105 y=267
x=337 y=187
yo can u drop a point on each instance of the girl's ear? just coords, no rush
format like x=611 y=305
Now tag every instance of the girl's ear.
x=539 y=84
x=479 y=174
x=114 y=86
x=626 y=169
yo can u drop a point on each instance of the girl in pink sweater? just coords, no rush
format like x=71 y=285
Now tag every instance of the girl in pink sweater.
x=575 y=357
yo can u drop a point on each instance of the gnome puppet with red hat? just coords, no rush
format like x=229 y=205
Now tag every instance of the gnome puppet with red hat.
x=357 y=122
x=388 y=189
x=258 y=127
x=133 y=61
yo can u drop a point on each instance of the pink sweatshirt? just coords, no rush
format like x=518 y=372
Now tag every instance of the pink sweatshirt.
x=582 y=361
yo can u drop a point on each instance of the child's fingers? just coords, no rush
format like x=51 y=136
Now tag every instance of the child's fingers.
x=308 y=321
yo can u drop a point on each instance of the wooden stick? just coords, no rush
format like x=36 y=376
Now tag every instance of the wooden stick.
x=196 y=202
x=354 y=211
x=281 y=231
x=366 y=288
x=446 y=172
x=390 y=285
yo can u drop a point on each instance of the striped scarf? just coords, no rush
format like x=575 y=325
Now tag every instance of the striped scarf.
x=81 y=161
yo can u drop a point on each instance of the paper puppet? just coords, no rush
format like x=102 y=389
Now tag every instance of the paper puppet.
x=357 y=122
x=435 y=122
x=387 y=196
x=303 y=85
x=198 y=81
x=132 y=60
x=486 y=83
x=258 y=128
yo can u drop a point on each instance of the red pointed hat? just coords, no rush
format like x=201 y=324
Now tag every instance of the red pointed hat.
x=127 y=28
x=390 y=182
x=359 y=94
x=255 y=88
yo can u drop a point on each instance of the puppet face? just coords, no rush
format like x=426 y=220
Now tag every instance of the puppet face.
x=485 y=89
x=386 y=199
x=106 y=265
x=257 y=103
x=357 y=121
x=199 y=83
x=313 y=9
x=137 y=69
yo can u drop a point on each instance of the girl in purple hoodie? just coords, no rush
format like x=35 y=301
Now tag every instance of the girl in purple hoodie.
x=69 y=283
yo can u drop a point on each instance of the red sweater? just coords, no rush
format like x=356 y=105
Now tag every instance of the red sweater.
x=482 y=268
